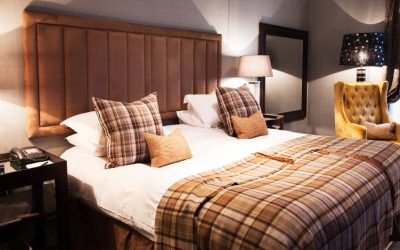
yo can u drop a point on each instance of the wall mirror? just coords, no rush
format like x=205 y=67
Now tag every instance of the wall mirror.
x=286 y=91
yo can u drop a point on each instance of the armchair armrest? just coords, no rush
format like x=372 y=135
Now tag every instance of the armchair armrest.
x=398 y=132
x=351 y=130
x=386 y=117
x=383 y=89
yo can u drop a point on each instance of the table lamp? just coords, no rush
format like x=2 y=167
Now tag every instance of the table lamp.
x=255 y=66
x=362 y=49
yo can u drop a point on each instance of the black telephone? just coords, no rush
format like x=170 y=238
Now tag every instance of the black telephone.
x=27 y=155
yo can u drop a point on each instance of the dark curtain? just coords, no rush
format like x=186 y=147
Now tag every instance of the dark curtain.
x=392 y=46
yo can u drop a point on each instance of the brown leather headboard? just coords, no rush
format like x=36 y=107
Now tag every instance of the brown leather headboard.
x=69 y=59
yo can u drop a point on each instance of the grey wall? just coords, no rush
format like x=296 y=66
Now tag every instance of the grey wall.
x=236 y=20
x=328 y=21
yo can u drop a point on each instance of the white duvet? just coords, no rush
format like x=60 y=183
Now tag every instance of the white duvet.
x=131 y=193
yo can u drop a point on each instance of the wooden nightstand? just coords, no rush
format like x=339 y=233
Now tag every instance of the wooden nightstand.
x=14 y=176
x=274 y=121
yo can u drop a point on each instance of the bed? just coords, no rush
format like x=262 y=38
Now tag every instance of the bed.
x=69 y=59
x=211 y=148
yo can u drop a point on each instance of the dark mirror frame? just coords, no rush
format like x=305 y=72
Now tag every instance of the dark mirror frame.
x=268 y=29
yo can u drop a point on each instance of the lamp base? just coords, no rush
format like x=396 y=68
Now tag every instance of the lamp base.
x=361 y=75
x=254 y=87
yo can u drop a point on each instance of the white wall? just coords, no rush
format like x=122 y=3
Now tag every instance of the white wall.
x=329 y=20
x=236 y=20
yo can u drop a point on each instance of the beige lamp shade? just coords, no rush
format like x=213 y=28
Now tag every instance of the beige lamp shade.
x=255 y=66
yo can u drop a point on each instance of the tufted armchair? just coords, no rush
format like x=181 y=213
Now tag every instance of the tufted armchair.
x=356 y=102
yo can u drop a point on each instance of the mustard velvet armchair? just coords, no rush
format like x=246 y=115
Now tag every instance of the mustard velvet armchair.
x=356 y=102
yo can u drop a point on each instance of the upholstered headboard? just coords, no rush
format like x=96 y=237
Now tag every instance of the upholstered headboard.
x=69 y=59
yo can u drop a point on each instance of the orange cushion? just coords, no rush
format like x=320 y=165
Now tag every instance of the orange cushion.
x=384 y=131
x=249 y=127
x=168 y=149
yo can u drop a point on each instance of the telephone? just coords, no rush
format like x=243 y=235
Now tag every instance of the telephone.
x=27 y=155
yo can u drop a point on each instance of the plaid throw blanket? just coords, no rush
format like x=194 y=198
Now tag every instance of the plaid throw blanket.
x=313 y=192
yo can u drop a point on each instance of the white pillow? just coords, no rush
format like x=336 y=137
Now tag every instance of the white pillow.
x=185 y=117
x=167 y=131
x=205 y=108
x=87 y=125
x=81 y=142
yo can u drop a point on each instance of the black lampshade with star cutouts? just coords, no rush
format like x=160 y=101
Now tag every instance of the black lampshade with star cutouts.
x=363 y=49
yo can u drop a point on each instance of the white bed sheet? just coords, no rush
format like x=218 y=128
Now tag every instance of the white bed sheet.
x=131 y=193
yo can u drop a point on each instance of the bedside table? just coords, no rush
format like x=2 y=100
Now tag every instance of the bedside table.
x=14 y=176
x=274 y=121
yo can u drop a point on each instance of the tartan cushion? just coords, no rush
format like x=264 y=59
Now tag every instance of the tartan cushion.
x=239 y=102
x=124 y=125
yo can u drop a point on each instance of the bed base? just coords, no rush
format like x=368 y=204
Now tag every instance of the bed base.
x=91 y=229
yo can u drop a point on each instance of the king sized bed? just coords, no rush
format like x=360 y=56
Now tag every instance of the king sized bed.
x=282 y=190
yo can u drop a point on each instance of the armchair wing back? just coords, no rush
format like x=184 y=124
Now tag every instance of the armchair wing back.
x=356 y=102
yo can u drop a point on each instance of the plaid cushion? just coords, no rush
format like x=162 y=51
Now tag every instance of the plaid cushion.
x=124 y=125
x=239 y=102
